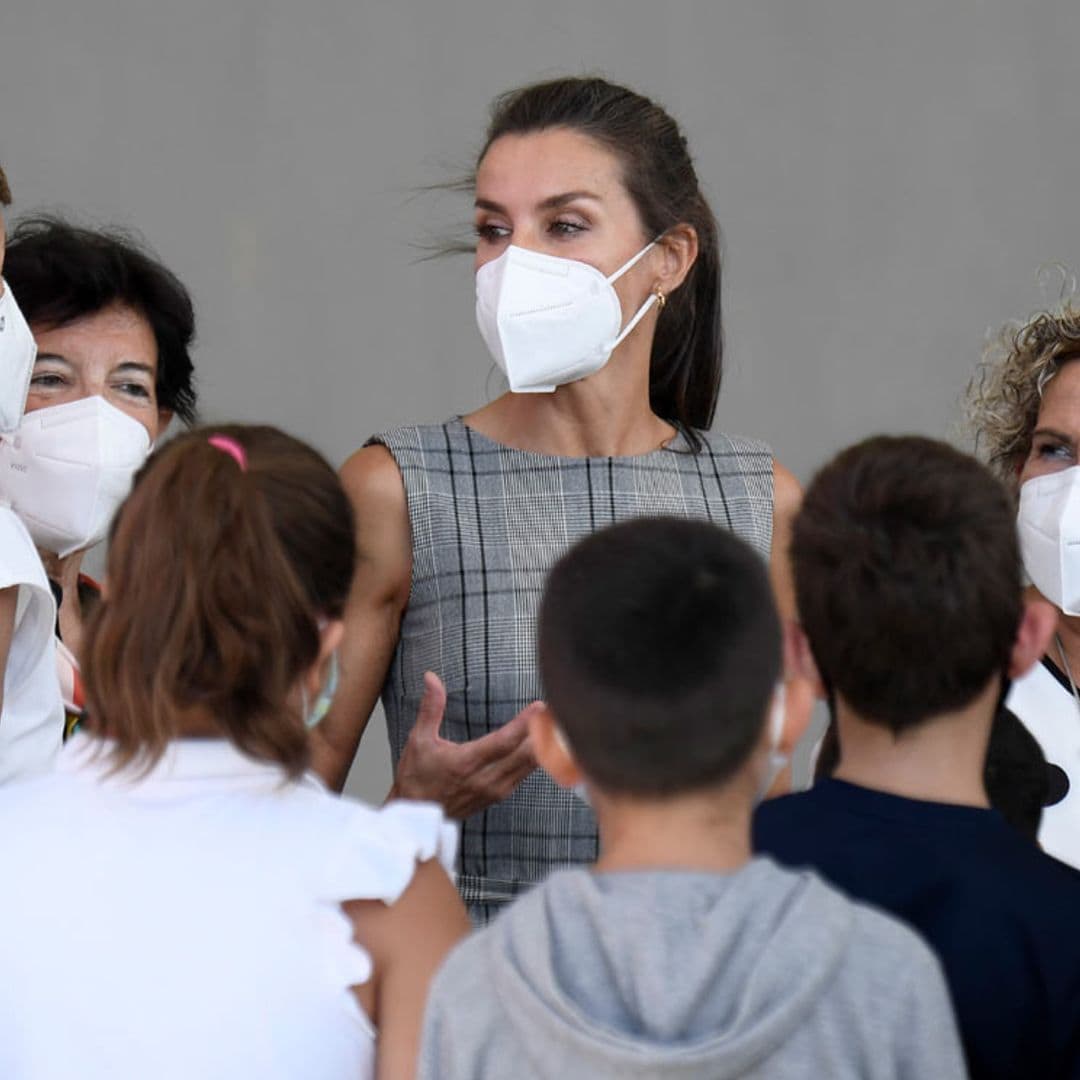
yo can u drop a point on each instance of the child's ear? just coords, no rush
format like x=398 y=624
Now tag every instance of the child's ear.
x=799 y=697
x=553 y=753
x=330 y=635
x=799 y=659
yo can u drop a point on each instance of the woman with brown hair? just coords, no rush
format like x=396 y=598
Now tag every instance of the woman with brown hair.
x=597 y=272
x=185 y=900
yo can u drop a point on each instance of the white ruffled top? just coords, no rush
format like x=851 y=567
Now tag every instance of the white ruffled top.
x=187 y=923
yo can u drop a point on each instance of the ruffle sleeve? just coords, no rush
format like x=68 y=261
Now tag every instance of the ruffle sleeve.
x=376 y=856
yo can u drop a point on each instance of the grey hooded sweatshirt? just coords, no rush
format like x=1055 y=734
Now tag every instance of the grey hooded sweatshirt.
x=759 y=973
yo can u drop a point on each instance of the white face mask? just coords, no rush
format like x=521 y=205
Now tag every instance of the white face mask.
x=67 y=469
x=1049 y=527
x=17 y=355
x=549 y=321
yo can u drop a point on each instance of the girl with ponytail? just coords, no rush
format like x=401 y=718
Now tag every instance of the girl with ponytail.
x=597 y=263
x=234 y=918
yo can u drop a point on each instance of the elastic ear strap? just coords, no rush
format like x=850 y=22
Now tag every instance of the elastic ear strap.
x=631 y=262
x=641 y=313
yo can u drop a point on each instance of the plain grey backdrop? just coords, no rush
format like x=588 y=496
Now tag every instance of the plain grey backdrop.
x=889 y=179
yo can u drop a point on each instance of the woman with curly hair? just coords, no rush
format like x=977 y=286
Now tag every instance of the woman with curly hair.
x=1024 y=407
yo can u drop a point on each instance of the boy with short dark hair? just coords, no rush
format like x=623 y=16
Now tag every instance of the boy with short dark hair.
x=679 y=955
x=908 y=580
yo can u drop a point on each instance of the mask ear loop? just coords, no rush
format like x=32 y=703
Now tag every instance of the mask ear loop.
x=655 y=297
x=631 y=262
x=313 y=714
x=641 y=313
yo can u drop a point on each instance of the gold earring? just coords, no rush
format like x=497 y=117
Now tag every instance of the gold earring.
x=661 y=299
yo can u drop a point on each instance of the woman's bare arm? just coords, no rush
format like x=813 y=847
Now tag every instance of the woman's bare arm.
x=380 y=591
x=787 y=497
x=407 y=942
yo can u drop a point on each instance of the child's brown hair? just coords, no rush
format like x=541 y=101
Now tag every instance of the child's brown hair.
x=221 y=564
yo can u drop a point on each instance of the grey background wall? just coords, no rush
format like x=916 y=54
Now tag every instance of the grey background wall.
x=889 y=178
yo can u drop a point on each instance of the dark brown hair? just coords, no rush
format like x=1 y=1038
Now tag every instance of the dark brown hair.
x=659 y=175
x=61 y=272
x=217 y=576
x=5 y=190
x=659 y=649
x=907 y=577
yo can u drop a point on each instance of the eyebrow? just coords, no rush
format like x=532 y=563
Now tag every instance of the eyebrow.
x=131 y=365
x=1053 y=433
x=127 y=367
x=552 y=202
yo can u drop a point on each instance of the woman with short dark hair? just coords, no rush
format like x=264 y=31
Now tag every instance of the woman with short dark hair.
x=113 y=329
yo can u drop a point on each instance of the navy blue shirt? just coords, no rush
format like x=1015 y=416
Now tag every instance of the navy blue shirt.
x=1003 y=917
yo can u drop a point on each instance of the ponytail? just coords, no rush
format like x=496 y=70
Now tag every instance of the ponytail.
x=220 y=565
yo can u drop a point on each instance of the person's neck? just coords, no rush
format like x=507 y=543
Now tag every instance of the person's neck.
x=65 y=572
x=606 y=415
x=194 y=722
x=1068 y=633
x=706 y=831
x=940 y=759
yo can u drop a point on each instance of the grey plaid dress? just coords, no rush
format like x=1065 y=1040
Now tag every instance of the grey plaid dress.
x=488 y=521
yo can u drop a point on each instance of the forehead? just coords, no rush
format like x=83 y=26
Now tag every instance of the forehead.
x=1060 y=406
x=550 y=162
x=116 y=333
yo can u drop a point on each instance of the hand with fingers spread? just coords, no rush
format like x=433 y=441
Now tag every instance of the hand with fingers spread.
x=463 y=777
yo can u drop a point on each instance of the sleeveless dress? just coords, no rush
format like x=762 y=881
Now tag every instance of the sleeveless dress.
x=488 y=521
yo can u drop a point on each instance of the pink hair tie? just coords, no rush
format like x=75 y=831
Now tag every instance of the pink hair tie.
x=231 y=447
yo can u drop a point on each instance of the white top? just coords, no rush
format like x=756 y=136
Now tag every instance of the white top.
x=1049 y=711
x=187 y=924
x=32 y=721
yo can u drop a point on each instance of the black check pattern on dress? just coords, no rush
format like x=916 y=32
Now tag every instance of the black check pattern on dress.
x=488 y=522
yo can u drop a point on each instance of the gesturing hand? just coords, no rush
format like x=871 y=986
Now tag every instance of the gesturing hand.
x=463 y=777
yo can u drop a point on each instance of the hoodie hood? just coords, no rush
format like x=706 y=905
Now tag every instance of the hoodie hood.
x=691 y=974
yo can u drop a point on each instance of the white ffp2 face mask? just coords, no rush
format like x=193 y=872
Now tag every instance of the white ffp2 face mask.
x=17 y=355
x=549 y=321
x=67 y=469
x=1049 y=526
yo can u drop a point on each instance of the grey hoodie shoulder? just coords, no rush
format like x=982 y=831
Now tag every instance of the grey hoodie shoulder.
x=761 y=973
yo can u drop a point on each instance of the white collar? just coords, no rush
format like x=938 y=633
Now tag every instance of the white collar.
x=187 y=764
